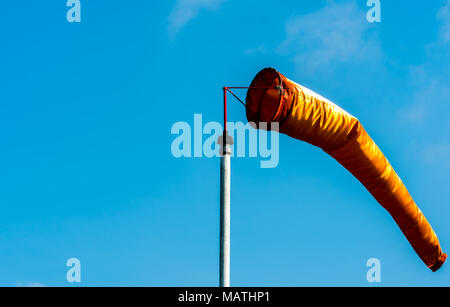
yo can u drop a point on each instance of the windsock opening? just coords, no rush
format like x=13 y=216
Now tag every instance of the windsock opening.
x=307 y=116
x=268 y=99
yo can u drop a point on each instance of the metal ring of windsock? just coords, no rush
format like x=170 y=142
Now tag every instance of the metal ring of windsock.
x=306 y=116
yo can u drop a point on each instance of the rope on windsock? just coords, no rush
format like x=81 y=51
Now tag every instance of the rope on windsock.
x=306 y=116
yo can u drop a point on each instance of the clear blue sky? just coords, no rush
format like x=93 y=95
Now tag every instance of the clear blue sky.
x=85 y=164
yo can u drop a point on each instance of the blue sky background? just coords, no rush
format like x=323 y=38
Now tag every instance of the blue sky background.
x=85 y=164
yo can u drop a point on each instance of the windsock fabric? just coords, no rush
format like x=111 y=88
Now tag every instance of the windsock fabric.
x=308 y=117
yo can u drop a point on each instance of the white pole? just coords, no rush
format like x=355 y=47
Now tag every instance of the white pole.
x=225 y=166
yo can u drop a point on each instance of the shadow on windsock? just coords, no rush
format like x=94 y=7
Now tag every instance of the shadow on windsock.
x=308 y=117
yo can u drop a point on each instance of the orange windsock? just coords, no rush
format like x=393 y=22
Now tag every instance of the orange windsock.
x=306 y=116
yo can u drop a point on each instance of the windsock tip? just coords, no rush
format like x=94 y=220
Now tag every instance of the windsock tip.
x=439 y=263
